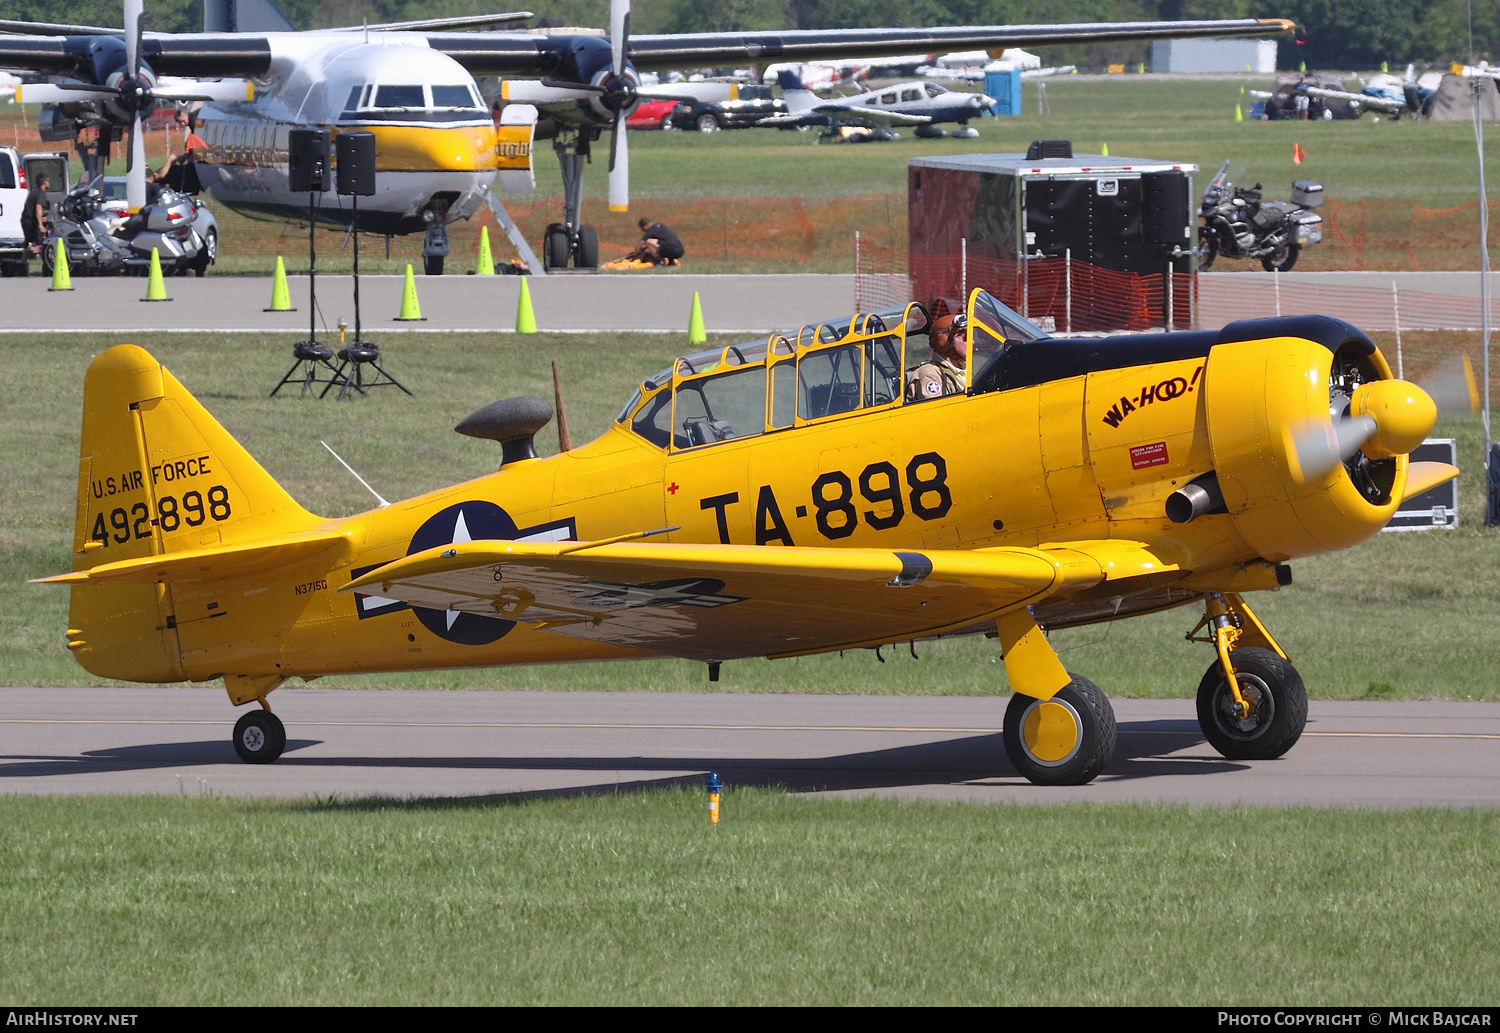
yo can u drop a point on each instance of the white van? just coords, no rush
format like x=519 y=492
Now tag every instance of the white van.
x=13 y=252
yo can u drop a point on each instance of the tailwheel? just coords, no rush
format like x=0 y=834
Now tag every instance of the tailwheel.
x=1064 y=741
x=259 y=737
x=1274 y=695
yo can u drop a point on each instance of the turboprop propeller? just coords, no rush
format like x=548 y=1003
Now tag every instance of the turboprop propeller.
x=1385 y=418
x=130 y=93
x=614 y=95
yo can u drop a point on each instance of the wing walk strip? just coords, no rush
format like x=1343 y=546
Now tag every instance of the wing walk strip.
x=723 y=728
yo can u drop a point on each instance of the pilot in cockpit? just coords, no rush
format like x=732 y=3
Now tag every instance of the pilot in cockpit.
x=943 y=373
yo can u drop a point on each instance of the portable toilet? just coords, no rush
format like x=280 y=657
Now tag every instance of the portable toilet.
x=1003 y=82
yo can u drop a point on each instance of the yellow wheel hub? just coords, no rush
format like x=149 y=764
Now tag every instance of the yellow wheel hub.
x=1050 y=732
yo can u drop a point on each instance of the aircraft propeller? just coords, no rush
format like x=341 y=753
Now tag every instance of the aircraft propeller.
x=131 y=93
x=1385 y=418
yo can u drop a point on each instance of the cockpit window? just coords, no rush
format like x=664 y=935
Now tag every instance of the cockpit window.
x=934 y=90
x=353 y=102
x=399 y=97
x=453 y=97
x=993 y=327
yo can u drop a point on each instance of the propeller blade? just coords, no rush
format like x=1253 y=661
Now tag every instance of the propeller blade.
x=529 y=91
x=1318 y=448
x=134 y=9
x=224 y=90
x=619 y=33
x=709 y=93
x=59 y=93
x=135 y=171
x=619 y=167
x=1452 y=385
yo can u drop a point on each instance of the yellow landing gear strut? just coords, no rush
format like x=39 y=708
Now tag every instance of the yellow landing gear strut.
x=1059 y=728
x=259 y=735
x=1252 y=704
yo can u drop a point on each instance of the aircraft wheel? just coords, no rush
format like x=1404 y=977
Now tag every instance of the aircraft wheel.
x=1066 y=740
x=555 y=247
x=259 y=737
x=432 y=265
x=1275 y=689
x=588 y=247
x=1282 y=261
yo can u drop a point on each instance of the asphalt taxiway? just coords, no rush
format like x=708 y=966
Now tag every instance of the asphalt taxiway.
x=457 y=744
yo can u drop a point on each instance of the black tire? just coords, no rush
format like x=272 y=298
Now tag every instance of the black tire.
x=1208 y=249
x=209 y=254
x=1276 y=690
x=49 y=258
x=707 y=123
x=555 y=247
x=588 y=247
x=1093 y=742
x=259 y=737
x=1282 y=261
x=432 y=265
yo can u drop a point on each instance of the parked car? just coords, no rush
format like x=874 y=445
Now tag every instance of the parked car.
x=652 y=114
x=752 y=104
x=13 y=252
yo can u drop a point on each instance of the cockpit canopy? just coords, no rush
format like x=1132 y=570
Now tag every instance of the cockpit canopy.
x=824 y=371
x=385 y=99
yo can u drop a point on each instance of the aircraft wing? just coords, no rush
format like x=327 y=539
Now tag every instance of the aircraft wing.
x=718 y=602
x=847 y=112
x=1364 y=100
x=249 y=55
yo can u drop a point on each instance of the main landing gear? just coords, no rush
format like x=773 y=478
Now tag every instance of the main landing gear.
x=570 y=242
x=259 y=737
x=1252 y=704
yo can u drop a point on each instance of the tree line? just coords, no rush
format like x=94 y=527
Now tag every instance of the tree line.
x=1340 y=34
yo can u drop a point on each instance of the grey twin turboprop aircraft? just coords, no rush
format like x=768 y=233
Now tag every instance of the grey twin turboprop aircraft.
x=413 y=85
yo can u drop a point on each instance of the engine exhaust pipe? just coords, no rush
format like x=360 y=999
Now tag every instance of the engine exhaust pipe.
x=1194 y=499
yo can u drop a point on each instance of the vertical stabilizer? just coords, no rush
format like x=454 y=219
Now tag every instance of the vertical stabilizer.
x=156 y=474
x=798 y=98
x=244 y=16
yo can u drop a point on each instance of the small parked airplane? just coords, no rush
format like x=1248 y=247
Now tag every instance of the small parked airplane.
x=778 y=498
x=920 y=104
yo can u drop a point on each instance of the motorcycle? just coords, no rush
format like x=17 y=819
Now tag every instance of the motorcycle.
x=1238 y=224
x=101 y=237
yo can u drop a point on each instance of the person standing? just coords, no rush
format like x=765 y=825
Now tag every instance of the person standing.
x=34 y=216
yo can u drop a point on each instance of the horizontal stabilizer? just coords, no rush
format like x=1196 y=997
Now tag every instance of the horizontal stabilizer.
x=198 y=565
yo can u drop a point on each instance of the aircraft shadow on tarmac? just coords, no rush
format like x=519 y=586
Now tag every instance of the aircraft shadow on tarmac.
x=1146 y=749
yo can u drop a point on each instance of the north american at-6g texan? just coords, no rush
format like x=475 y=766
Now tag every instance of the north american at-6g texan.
x=413 y=85
x=779 y=498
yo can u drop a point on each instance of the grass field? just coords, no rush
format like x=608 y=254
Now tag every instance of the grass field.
x=635 y=900
x=1430 y=163
x=1404 y=616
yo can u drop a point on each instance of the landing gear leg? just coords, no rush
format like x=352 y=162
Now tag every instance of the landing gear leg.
x=435 y=246
x=1252 y=704
x=1059 y=728
x=582 y=242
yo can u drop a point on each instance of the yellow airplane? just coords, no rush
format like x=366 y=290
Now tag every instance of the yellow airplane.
x=778 y=498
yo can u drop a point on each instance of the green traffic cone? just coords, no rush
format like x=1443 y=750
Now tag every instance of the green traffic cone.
x=696 y=333
x=411 y=311
x=156 y=288
x=1104 y=150
x=525 y=315
x=281 y=298
x=485 y=266
x=61 y=280
x=1239 y=115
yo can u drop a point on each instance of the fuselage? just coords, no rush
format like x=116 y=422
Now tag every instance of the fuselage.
x=437 y=148
x=812 y=445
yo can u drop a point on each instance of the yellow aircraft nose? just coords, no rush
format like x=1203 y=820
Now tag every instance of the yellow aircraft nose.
x=430 y=149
